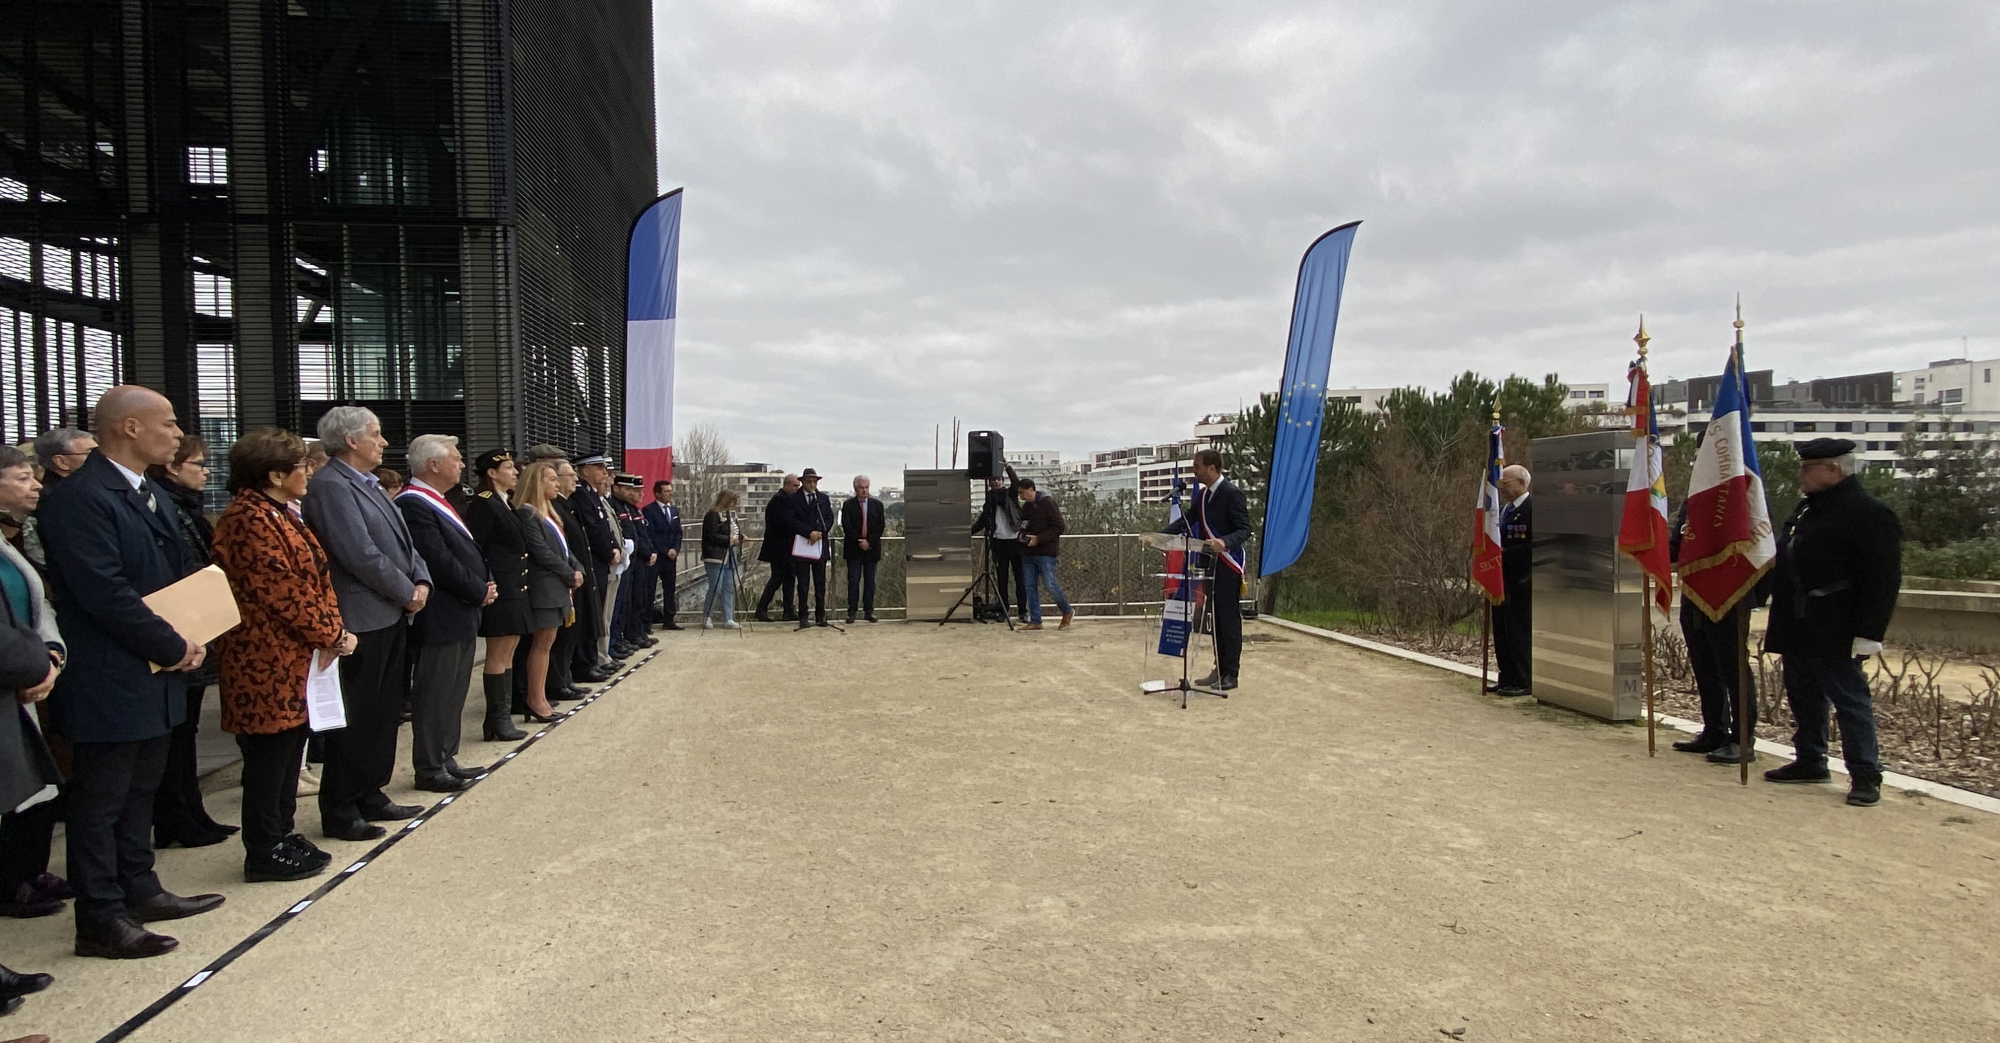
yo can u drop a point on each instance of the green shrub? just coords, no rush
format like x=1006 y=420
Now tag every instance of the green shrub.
x=1966 y=559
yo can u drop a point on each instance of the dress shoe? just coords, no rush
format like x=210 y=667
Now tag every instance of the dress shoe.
x=575 y=692
x=1727 y=753
x=446 y=783
x=120 y=939
x=763 y=617
x=648 y=641
x=1703 y=743
x=14 y=983
x=224 y=828
x=621 y=651
x=1226 y=684
x=307 y=848
x=822 y=622
x=869 y=617
x=26 y=903
x=53 y=886
x=1866 y=791
x=1067 y=617
x=281 y=862
x=392 y=812
x=461 y=771
x=1798 y=772
x=193 y=838
x=560 y=694
x=541 y=718
x=1510 y=691
x=593 y=676
x=804 y=624
x=351 y=831
x=1208 y=679
x=850 y=620
x=169 y=906
x=673 y=626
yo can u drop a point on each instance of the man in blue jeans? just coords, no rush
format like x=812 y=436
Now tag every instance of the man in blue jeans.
x=1041 y=547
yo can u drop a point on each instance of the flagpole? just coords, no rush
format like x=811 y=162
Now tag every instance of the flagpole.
x=1746 y=736
x=1485 y=643
x=1645 y=577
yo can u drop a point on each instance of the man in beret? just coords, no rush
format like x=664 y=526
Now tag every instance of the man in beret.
x=1839 y=569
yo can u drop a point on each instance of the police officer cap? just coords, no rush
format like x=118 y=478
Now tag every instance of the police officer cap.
x=1825 y=448
x=586 y=459
x=490 y=459
x=629 y=481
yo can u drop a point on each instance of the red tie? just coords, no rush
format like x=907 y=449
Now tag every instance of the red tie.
x=864 y=517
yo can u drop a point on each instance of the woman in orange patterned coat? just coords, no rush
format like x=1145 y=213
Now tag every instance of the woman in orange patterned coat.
x=278 y=572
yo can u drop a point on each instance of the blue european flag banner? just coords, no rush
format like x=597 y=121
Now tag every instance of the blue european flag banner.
x=1302 y=398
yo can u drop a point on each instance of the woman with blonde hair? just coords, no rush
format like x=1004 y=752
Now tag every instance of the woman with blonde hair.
x=553 y=572
x=720 y=538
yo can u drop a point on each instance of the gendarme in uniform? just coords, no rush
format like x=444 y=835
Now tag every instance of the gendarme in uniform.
x=1833 y=589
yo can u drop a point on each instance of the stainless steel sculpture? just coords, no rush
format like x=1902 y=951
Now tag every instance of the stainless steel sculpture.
x=1588 y=623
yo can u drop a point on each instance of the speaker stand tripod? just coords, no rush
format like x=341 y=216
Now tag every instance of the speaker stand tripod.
x=986 y=586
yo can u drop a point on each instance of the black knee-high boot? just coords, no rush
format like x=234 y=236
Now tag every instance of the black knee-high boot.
x=499 y=692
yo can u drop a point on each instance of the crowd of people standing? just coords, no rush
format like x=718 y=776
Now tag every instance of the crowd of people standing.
x=339 y=567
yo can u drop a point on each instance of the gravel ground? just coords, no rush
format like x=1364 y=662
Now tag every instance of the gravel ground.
x=907 y=832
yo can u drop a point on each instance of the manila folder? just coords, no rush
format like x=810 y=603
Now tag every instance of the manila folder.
x=200 y=607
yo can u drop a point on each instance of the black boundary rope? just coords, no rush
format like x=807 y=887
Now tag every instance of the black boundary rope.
x=216 y=966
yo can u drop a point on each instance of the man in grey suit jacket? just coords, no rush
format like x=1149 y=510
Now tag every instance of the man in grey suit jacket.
x=380 y=581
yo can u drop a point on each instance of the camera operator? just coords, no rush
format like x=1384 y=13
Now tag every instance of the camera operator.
x=1000 y=522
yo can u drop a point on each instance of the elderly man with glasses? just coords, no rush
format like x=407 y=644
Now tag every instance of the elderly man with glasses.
x=381 y=581
x=61 y=451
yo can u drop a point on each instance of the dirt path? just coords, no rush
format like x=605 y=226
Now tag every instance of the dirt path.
x=923 y=834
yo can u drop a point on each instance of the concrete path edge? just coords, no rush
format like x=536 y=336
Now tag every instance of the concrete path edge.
x=1952 y=794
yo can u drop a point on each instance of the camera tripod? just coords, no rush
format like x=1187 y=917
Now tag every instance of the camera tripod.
x=984 y=589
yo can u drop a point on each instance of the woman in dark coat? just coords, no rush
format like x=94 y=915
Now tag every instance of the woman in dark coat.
x=29 y=776
x=554 y=573
x=291 y=622
x=721 y=538
x=503 y=623
x=178 y=814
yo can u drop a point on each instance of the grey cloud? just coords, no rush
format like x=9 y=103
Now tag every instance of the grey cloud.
x=1044 y=217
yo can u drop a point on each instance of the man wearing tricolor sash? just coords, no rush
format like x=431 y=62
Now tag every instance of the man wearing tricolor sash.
x=1220 y=518
x=443 y=637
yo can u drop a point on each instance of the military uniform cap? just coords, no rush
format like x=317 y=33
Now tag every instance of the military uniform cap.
x=1825 y=448
x=490 y=459
x=586 y=459
x=631 y=481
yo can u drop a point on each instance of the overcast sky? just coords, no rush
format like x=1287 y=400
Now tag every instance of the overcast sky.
x=1079 y=223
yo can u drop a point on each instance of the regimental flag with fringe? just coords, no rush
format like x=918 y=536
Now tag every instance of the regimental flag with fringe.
x=1728 y=543
x=1642 y=532
x=1486 y=574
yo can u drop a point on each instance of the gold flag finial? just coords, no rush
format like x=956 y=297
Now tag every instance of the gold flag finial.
x=1642 y=339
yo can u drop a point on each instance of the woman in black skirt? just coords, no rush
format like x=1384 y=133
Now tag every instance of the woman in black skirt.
x=508 y=618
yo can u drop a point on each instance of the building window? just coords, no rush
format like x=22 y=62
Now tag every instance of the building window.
x=1987 y=378
x=1954 y=395
x=1844 y=426
x=208 y=165
x=1597 y=394
x=213 y=295
x=1805 y=425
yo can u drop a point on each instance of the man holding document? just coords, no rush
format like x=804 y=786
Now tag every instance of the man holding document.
x=112 y=539
x=811 y=519
x=1220 y=519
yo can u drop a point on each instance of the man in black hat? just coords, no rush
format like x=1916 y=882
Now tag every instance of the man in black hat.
x=812 y=517
x=1839 y=569
x=633 y=620
x=607 y=549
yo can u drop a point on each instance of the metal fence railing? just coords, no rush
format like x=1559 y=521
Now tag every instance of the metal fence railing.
x=1104 y=574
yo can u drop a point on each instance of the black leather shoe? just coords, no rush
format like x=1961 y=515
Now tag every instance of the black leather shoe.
x=281 y=862
x=461 y=771
x=573 y=692
x=850 y=620
x=1799 y=771
x=1511 y=691
x=1225 y=684
x=308 y=849
x=351 y=831
x=121 y=939
x=871 y=618
x=169 y=906
x=392 y=812
x=761 y=617
x=648 y=641
x=196 y=838
x=593 y=677
x=446 y=783
x=804 y=624
x=1865 y=793
x=14 y=983
x=671 y=625
x=1703 y=743
x=1728 y=753
x=27 y=904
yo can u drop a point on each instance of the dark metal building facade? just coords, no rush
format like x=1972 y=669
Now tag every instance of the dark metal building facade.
x=267 y=208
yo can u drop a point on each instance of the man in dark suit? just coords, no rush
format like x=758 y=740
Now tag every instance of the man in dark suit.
x=776 y=551
x=380 y=582
x=635 y=604
x=810 y=514
x=112 y=539
x=665 y=520
x=861 y=521
x=1833 y=589
x=444 y=636
x=579 y=639
x=1513 y=617
x=1220 y=518
x=1711 y=652
x=593 y=474
x=1000 y=522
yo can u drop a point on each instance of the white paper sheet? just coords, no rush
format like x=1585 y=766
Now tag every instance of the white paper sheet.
x=805 y=548
x=325 y=710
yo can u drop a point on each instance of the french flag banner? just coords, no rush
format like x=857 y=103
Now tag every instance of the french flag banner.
x=1729 y=542
x=1486 y=573
x=653 y=257
x=1642 y=531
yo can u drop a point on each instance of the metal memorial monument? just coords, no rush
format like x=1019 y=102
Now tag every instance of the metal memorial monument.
x=1589 y=623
